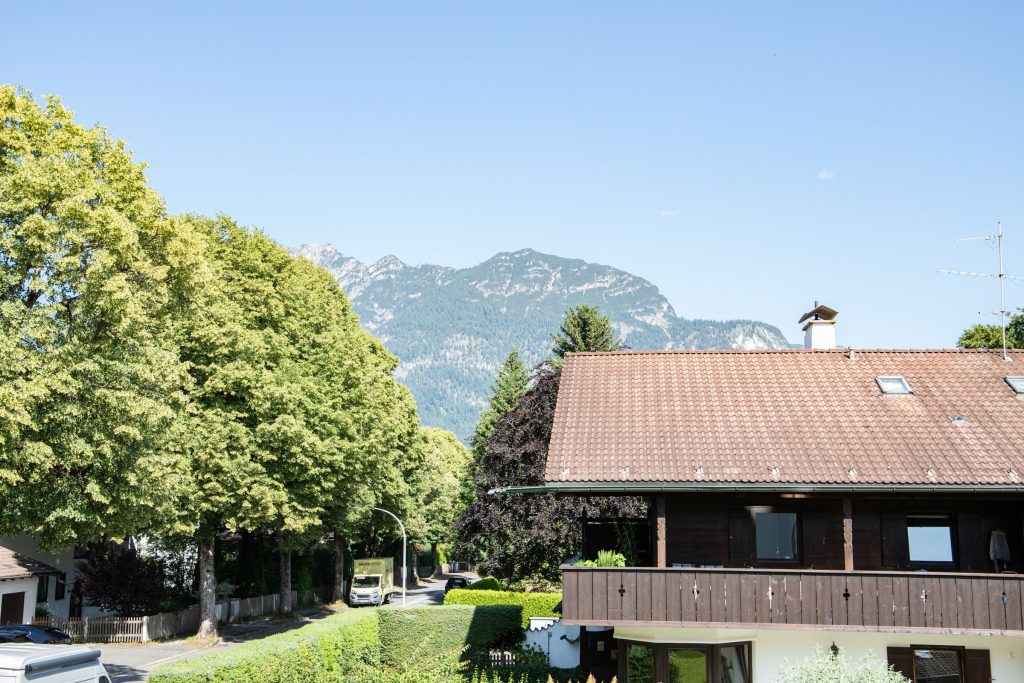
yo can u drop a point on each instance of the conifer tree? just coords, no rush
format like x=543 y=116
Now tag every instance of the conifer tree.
x=509 y=386
x=584 y=329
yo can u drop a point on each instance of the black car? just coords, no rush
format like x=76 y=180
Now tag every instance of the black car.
x=13 y=637
x=456 y=582
x=44 y=635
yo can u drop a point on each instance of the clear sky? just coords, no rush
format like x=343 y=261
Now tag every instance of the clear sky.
x=747 y=158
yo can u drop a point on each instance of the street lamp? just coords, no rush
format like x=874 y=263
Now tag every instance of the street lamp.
x=405 y=570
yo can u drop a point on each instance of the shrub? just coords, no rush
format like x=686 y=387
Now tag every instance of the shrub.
x=323 y=651
x=532 y=604
x=488 y=583
x=458 y=630
x=822 y=667
x=605 y=558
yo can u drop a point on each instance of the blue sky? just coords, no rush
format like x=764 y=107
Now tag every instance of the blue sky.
x=747 y=158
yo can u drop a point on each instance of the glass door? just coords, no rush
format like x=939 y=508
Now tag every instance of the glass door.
x=687 y=665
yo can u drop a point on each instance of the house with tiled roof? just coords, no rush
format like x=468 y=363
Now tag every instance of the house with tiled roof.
x=20 y=579
x=829 y=497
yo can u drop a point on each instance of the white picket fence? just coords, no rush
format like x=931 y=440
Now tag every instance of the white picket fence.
x=170 y=624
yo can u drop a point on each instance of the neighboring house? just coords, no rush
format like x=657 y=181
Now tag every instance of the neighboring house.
x=21 y=582
x=869 y=500
x=56 y=591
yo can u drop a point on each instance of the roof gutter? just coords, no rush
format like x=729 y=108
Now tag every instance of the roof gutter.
x=639 y=488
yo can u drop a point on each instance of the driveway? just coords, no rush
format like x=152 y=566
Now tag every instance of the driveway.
x=130 y=663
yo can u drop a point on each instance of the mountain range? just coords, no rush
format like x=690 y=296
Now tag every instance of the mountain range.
x=452 y=327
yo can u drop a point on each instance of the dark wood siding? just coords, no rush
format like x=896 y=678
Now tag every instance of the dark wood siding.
x=902 y=660
x=710 y=529
x=977 y=666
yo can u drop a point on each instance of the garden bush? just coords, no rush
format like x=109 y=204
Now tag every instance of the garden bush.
x=822 y=667
x=459 y=629
x=488 y=583
x=532 y=604
x=323 y=651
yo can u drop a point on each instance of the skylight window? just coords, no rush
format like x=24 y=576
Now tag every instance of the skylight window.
x=1016 y=383
x=893 y=385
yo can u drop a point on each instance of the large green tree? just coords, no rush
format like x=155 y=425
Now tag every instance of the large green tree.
x=438 y=485
x=991 y=336
x=90 y=381
x=509 y=386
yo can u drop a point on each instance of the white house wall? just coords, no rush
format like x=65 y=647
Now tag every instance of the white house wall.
x=560 y=643
x=62 y=559
x=26 y=586
x=772 y=647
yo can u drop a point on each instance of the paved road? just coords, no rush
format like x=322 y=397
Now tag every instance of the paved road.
x=133 y=662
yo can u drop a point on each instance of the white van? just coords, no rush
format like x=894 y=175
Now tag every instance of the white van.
x=50 y=664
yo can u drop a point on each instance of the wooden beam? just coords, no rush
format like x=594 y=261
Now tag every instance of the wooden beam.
x=661 y=531
x=848 y=533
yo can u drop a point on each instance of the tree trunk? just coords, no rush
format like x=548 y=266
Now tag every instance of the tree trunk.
x=433 y=559
x=207 y=589
x=338 y=593
x=286 y=581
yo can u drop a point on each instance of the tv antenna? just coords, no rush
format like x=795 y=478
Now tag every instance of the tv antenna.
x=1001 y=276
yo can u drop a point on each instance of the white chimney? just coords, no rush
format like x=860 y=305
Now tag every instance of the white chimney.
x=820 y=330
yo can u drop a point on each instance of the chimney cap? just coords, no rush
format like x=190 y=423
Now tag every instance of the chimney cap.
x=821 y=312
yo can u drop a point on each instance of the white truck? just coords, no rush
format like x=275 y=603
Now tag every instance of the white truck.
x=373 y=581
x=31 y=663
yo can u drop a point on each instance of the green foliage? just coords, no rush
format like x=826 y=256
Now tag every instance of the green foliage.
x=458 y=629
x=584 y=329
x=605 y=558
x=991 y=337
x=325 y=650
x=532 y=604
x=437 y=484
x=823 y=667
x=512 y=382
x=418 y=645
x=89 y=378
x=487 y=583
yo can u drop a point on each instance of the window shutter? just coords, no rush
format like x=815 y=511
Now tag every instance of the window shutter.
x=901 y=659
x=977 y=667
x=895 y=551
x=741 y=539
x=972 y=541
x=813 y=551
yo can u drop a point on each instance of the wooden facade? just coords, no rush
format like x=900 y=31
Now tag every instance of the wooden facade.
x=853 y=569
x=988 y=604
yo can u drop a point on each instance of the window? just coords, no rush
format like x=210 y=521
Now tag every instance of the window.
x=640 y=663
x=43 y=589
x=58 y=590
x=776 y=536
x=937 y=666
x=930 y=538
x=687 y=665
x=893 y=385
x=1016 y=383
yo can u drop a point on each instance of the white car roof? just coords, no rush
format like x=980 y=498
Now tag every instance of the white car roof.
x=18 y=656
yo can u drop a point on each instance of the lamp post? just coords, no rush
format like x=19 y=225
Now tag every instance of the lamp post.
x=401 y=526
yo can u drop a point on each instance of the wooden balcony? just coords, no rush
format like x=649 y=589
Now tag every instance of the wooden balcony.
x=989 y=604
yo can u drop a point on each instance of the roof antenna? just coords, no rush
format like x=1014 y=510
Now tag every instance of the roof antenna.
x=1001 y=275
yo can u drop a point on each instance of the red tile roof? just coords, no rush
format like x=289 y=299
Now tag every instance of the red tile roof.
x=788 y=417
x=17 y=566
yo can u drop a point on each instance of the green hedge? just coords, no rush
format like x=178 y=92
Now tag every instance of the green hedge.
x=325 y=650
x=410 y=634
x=533 y=604
x=362 y=646
x=488 y=583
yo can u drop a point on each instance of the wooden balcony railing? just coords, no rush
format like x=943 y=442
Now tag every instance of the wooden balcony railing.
x=778 y=598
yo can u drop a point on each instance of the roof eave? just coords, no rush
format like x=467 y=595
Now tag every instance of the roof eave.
x=641 y=488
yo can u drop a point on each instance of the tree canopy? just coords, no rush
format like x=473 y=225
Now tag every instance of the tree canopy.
x=991 y=336
x=584 y=329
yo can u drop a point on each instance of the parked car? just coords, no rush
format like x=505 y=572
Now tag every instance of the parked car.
x=13 y=637
x=32 y=663
x=456 y=582
x=44 y=635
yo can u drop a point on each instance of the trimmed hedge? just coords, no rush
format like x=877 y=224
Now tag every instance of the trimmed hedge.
x=362 y=646
x=410 y=634
x=532 y=604
x=488 y=583
x=326 y=650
